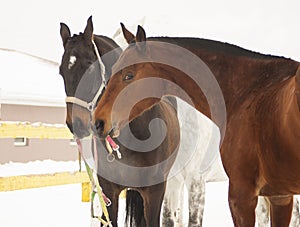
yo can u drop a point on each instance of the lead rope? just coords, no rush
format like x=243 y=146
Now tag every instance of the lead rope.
x=94 y=179
x=102 y=66
x=112 y=146
x=104 y=201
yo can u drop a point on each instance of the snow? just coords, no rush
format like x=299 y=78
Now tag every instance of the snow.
x=58 y=206
x=29 y=80
x=61 y=205
x=37 y=167
x=216 y=209
x=49 y=206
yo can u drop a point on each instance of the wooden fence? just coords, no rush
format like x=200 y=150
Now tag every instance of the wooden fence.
x=39 y=130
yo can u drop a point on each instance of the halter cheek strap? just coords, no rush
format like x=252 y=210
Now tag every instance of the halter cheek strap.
x=90 y=106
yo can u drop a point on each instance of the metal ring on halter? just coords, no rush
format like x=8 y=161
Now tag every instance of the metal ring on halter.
x=91 y=106
x=110 y=157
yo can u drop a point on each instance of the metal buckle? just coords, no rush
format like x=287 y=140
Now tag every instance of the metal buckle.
x=90 y=106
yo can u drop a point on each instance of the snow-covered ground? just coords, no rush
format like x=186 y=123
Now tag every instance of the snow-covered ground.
x=216 y=209
x=61 y=206
x=37 y=167
x=48 y=206
x=58 y=206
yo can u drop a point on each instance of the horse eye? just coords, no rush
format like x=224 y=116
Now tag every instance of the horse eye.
x=128 y=76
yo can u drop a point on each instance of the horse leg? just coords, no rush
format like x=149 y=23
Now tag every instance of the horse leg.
x=173 y=202
x=281 y=210
x=112 y=192
x=242 y=203
x=167 y=219
x=295 y=221
x=177 y=207
x=262 y=212
x=153 y=198
x=196 y=193
x=168 y=209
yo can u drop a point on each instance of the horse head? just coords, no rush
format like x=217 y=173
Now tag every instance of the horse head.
x=130 y=87
x=81 y=72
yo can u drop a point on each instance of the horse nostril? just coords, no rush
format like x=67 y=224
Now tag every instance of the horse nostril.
x=77 y=124
x=79 y=129
x=99 y=126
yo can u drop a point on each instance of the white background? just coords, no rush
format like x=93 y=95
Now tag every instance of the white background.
x=268 y=26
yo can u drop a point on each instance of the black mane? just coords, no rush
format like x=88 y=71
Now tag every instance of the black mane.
x=214 y=46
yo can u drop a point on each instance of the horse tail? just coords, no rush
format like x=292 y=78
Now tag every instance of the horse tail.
x=134 y=208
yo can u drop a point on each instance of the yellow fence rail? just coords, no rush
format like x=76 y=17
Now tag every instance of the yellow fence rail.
x=13 y=129
x=41 y=180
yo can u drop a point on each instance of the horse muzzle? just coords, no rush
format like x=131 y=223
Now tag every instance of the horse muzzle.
x=100 y=126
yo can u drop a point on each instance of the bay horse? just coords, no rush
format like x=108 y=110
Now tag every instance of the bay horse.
x=81 y=73
x=261 y=93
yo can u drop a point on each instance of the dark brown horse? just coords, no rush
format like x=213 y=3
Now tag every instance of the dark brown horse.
x=81 y=71
x=261 y=147
x=144 y=165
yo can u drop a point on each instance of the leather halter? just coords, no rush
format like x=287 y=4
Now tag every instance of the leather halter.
x=90 y=106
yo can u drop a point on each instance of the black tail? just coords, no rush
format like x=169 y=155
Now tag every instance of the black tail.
x=134 y=208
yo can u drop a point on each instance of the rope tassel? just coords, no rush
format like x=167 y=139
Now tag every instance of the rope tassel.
x=112 y=146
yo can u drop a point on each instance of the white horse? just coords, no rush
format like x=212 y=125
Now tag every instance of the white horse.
x=197 y=162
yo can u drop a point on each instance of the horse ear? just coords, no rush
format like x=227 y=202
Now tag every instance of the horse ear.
x=127 y=34
x=297 y=86
x=89 y=29
x=141 y=39
x=64 y=33
x=141 y=34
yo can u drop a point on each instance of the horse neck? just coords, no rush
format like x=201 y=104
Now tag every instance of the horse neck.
x=109 y=51
x=104 y=44
x=185 y=87
x=238 y=72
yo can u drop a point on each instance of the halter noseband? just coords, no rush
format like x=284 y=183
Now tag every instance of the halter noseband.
x=90 y=106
